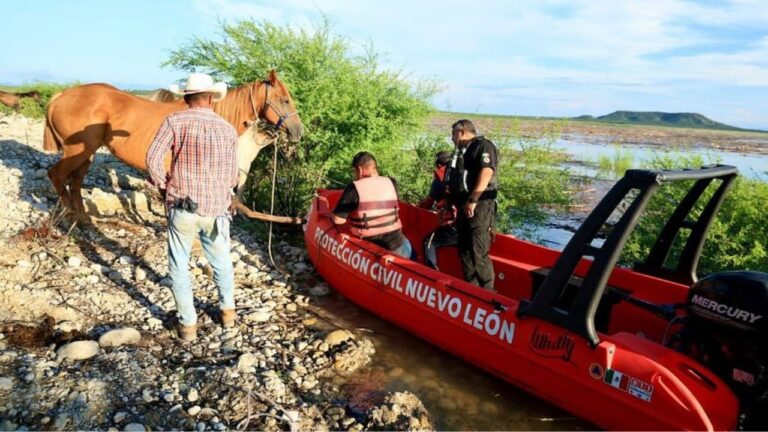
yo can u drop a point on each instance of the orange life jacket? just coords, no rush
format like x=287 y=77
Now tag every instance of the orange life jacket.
x=377 y=211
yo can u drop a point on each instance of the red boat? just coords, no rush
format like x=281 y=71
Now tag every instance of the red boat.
x=647 y=348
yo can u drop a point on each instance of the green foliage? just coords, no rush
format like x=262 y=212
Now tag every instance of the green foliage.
x=29 y=107
x=532 y=182
x=346 y=102
x=738 y=238
x=614 y=166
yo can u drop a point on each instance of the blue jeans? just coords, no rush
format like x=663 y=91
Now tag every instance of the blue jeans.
x=405 y=250
x=183 y=227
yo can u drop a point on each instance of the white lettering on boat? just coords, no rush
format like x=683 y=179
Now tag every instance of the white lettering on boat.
x=724 y=309
x=472 y=315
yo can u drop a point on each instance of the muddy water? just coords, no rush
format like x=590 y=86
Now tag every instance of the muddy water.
x=456 y=394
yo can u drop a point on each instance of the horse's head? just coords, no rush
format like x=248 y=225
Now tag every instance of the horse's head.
x=279 y=110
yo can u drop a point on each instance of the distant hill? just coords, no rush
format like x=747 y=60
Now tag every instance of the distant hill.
x=653 y=118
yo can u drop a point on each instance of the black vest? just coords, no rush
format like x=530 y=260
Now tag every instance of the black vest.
x=460 y=181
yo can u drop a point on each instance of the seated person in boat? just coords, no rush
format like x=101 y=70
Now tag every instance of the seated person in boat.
x=369 y=206
x=445 y=234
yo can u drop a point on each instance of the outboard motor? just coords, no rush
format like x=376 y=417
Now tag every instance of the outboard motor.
x=726 y=329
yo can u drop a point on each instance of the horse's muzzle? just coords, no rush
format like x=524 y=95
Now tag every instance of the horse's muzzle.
x=295 y=131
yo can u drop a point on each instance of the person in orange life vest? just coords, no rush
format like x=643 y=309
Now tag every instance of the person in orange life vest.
x=369 y=205
x=445 y=234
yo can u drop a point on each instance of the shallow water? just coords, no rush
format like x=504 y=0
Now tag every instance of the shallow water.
x=560 y=229
x=752 y=166
x=457 y=395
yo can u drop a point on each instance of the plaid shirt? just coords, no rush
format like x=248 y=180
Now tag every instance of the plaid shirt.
x=203 y=161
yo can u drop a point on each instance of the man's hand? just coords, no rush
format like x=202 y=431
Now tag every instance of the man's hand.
x=441 y=215
x=445 y=215
x=469 y=209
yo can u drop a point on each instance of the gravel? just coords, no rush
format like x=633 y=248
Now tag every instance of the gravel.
x=108 y=283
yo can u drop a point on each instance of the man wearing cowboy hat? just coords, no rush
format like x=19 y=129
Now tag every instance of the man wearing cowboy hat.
x=197 y=194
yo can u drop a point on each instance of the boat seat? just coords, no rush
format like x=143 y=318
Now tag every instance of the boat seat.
x=604 y=309
x=513 y=278
x=512 y=263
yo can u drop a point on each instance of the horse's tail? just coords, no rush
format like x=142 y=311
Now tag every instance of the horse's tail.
x=51 y=140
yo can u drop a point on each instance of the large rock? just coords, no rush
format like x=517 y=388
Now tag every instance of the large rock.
x=247 y=361
x=99 y=202
x=6 y=384
x=336 y=337
x=258 y=316
x=400 y=411
x=353 y=356
x=80 y=350
x=274 y=386
x=320 y=290
x=119 y=337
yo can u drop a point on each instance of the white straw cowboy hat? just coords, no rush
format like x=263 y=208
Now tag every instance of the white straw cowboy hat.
x=201 y=83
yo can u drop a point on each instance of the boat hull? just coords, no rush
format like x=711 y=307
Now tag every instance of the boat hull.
x=628 y=381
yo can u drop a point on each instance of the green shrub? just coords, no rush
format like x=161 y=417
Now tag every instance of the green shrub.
x=532 y=182
x=614 y=166
x=28 y=107
x=738 y=237
x=349 y=104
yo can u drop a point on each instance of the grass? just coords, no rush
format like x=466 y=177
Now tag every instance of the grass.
x=614 y=165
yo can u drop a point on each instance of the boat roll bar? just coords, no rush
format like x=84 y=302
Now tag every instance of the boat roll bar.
x=635 y=188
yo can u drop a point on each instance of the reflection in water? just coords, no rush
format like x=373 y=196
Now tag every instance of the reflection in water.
x=457 y=395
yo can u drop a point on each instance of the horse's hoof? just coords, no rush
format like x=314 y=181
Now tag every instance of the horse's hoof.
x=84 y=220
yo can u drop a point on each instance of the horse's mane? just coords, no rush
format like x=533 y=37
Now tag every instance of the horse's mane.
x=237 y=106
x=161 y=95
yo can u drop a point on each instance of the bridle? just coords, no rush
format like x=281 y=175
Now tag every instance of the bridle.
x=281 y=118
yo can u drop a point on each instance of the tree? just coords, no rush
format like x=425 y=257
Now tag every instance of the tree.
x=346 y=102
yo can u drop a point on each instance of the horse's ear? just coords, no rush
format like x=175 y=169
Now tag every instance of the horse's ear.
x=272 y=77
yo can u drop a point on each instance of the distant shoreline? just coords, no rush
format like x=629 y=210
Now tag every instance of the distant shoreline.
x=741 y=141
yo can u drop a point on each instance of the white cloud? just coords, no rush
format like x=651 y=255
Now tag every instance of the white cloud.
x=557 y=56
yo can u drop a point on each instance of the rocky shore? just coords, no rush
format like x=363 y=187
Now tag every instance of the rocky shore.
x=86 y=320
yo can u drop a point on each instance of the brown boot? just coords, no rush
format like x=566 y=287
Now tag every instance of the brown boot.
x=187 y=333
x=228 y=318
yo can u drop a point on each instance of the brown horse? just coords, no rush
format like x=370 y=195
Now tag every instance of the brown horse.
x=13 y=100
x=83 y=118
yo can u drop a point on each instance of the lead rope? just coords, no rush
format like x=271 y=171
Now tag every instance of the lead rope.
x=272 y=204
x=274 y=178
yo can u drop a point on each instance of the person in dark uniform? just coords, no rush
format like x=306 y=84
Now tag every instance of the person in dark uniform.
x=472 y=189
x=445 y=234
x=369 y=206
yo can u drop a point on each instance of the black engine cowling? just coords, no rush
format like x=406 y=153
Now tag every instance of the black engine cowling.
x=727 y=330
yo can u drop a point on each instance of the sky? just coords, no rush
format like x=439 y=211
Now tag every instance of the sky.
x=554 y=58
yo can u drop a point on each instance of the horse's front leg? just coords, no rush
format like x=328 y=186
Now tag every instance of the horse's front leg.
x=75 y=189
